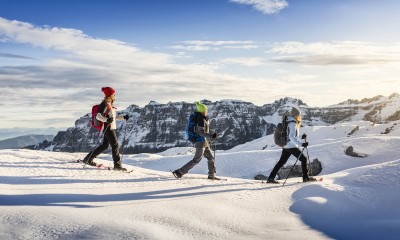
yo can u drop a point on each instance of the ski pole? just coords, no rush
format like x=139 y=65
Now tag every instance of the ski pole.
x=308 y=159
x=215 y=147
x=309 y=163
x=293 y=167
x=123 y=141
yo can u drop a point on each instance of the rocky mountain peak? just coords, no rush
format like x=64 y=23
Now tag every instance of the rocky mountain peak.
x=157 y=127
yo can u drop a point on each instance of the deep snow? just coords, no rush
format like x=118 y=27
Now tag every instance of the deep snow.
x=44 y=195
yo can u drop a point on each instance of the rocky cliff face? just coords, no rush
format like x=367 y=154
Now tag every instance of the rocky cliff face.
x=156 y=127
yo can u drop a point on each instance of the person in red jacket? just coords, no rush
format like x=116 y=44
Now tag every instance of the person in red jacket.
x=107 y=115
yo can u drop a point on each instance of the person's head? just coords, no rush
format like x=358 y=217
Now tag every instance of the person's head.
x=109 y=94
x=202 y=108
x=295 y=113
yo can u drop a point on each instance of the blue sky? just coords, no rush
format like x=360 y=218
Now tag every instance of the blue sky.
x=56 y=55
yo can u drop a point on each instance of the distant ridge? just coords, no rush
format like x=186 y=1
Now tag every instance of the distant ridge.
x=157 y=127
x=23 y=141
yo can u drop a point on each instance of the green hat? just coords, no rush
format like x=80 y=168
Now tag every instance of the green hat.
x=201 y=107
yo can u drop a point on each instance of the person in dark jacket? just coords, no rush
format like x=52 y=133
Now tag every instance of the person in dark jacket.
x=107 y=114
x=202 y=144
x=292 y=146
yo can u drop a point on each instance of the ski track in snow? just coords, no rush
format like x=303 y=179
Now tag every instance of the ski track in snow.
x=45 y=195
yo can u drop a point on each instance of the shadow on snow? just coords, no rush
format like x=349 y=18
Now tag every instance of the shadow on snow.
x=79 y=200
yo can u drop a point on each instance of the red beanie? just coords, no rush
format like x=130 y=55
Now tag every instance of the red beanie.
x=108 y=91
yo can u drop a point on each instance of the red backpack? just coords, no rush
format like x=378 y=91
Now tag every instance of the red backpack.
x=96 y=123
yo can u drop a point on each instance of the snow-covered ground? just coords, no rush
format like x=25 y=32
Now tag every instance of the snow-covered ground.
x=44 y=195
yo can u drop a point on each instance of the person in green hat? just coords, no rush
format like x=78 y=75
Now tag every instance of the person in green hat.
x=201 y=143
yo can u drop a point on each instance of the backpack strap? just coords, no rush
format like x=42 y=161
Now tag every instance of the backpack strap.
x=287 y=126
x=107 y=110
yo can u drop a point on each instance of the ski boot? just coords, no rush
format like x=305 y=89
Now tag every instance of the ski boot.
x=309 y=179
x=271 y=180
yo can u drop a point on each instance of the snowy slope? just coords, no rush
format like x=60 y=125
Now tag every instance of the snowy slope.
x=44 y=195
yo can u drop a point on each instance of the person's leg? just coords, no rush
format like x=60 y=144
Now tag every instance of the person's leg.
x=93 y=154
x=211 y=162
x=284 y=157
x=111 y=135
x=196 y=159
x=299 y=154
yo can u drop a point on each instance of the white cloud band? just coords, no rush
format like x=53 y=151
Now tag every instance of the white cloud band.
x=264 y=6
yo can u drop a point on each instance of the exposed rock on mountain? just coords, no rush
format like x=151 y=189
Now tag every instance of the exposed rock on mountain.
x=156 y=127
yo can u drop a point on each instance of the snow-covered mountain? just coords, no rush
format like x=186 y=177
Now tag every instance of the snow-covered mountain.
x=23 y=141
x=157 y=127
x=46 y=195
x=7 y=133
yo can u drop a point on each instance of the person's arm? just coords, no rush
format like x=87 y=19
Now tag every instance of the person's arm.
x=292 y=134
x=102 y=109
x=201 y=128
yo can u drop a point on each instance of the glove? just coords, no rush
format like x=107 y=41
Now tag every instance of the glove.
x=126 y=117
x=110 y=120
x=304 y=136
x=304 y=144
x=214 y=136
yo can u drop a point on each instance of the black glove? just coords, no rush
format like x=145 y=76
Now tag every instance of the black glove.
x=214 y=136
x=110 y=120
x=126 y=117
x=304 y=136
x=304 y=144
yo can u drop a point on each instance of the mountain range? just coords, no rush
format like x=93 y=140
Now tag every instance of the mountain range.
x=23 y=141
x=157 y=127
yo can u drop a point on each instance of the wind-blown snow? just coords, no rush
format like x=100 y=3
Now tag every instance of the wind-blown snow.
x=45 y=195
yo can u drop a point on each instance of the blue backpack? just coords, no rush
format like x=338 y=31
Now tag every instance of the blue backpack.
x=191 y=134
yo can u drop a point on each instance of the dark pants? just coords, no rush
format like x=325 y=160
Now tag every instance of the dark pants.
x=286 y=153
x=110 y=138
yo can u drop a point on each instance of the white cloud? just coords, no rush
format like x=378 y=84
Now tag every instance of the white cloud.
x=264 y=6
x=242 y=47
x=247 y=62
x=200 y=45
x=193 y=48
x=336 y=53
x=216 y=43
x=71 y=79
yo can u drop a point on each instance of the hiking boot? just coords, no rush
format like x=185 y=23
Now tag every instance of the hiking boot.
x=309 y=179
x=89 y=162
x=213 y=178
x=177 y=173
x=118 y=166
x=120 y=169
x=272 y=181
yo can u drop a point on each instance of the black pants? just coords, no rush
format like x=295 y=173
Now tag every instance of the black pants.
x=286 y=153
x=110 y=138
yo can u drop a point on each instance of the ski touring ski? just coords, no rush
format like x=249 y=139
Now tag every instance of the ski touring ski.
x=217 y=179
x=278 y=183
x=318 y=180
x=102 y=166
x=213 y=179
